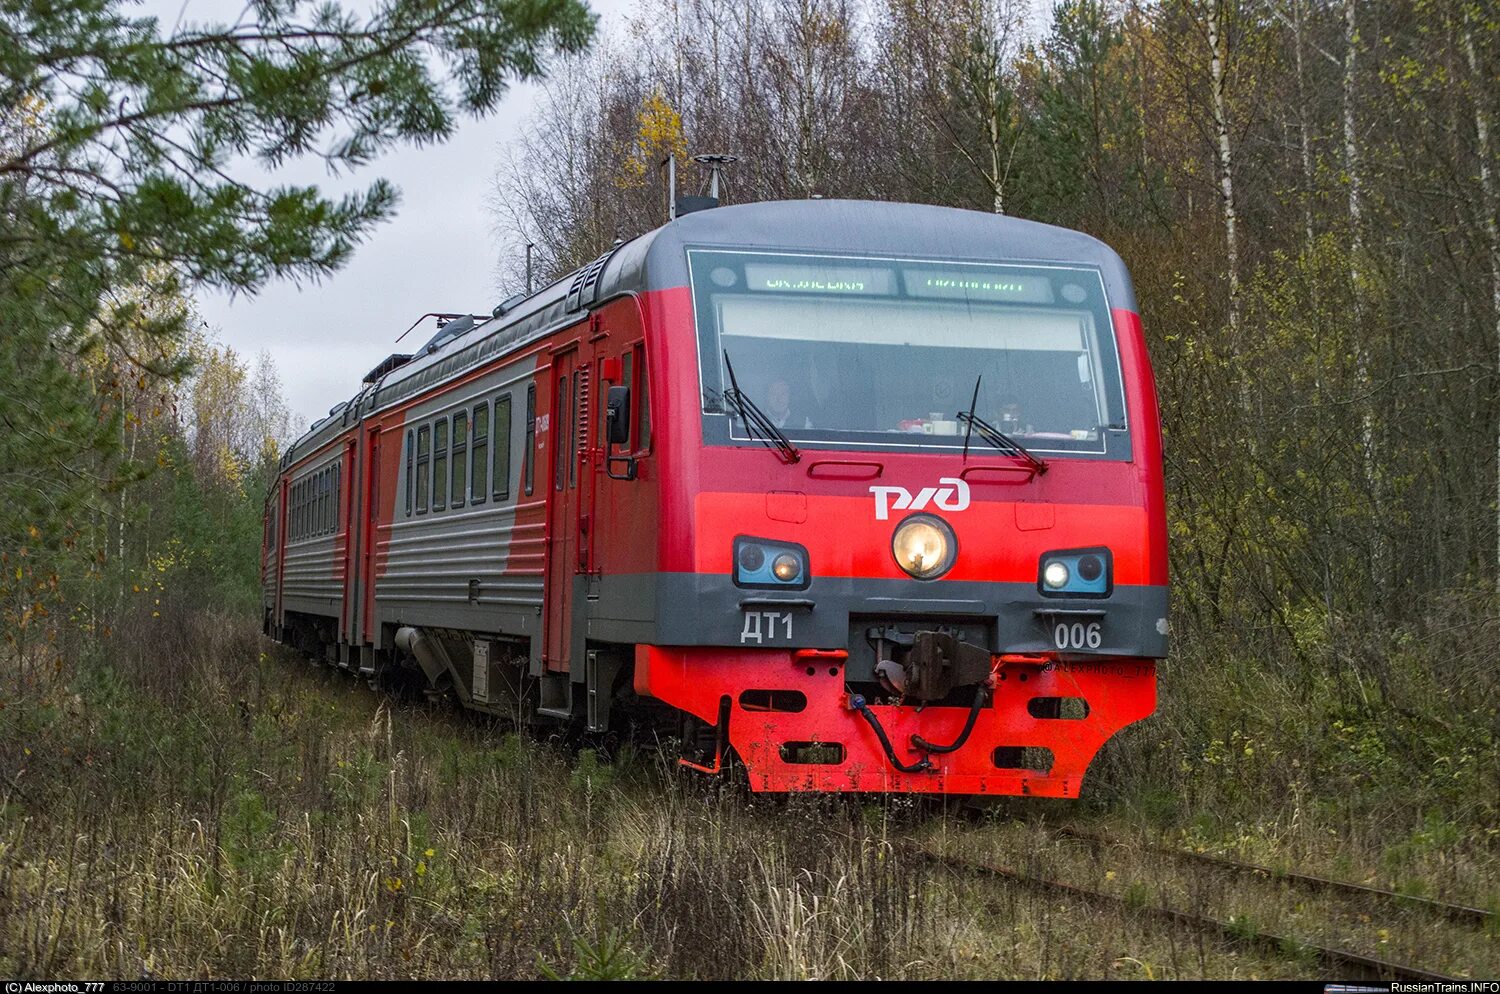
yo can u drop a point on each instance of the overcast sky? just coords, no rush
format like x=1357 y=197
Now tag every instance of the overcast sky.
x=439 y=253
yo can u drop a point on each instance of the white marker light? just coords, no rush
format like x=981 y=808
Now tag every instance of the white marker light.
x=1055 y=575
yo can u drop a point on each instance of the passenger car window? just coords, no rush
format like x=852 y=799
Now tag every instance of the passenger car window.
x=528 y=466
x=479 y=480
x=440 y=464
x=424 y=443
x=410 y=455
x=460 y=458
x=502 y=448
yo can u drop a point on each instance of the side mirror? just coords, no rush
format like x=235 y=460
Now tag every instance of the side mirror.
x=617 y=416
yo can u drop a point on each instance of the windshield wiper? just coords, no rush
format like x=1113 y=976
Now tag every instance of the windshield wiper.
x=757 y=424
x=993 y=435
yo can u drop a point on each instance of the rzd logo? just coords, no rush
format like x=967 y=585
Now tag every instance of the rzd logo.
x=953 y=498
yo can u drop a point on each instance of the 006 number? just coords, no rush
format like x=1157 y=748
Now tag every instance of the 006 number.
x=1078 y=635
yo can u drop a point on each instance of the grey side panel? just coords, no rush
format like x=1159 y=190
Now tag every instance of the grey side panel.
x=704 y=609
x=625 y=610
x=457 y=561
x=311 y=580
x=471 y=567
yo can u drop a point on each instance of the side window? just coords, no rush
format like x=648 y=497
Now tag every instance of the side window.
x=338 y=493
x=641 y=399
x=577 y=426
x=528 y=459
x=460 y=458
x=502 y=448
x=562 y=424
x=411 y=453
x=440 y=464
x=627 y=378
x=479 y=455
x=424 y=455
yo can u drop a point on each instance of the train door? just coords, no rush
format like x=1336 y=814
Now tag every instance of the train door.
x=283 y=527
x=349 y=525
x=369 y=529
x=569 y=410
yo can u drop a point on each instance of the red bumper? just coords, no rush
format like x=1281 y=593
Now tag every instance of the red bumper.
x=697 y=680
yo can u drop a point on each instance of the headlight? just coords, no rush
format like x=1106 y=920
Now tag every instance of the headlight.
x=786 y=568
x=1076 y=573
x=770 y=564
x=924 y=546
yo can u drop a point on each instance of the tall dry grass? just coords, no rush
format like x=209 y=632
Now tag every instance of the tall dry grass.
x=190 y=802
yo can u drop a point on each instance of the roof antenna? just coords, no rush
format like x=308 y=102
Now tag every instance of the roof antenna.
x=716 y=162
x=529 y=247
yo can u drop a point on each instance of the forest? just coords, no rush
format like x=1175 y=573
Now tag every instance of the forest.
x=1307 y=195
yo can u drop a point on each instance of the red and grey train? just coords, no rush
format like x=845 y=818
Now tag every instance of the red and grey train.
x=859 y=496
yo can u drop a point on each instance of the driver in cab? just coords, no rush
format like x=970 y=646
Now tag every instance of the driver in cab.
x=779 y=407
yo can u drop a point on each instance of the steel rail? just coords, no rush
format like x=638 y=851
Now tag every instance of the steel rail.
x=1478 y=916
x=1234 y=932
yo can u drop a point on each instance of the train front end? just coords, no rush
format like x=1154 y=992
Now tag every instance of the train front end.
x=913 y=533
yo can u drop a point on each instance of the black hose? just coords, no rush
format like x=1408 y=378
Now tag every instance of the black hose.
x=857 y=702
x=979 y=698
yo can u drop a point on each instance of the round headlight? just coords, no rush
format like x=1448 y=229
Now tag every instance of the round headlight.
x=1055 y=575
x=786 y=567
x=924 y=546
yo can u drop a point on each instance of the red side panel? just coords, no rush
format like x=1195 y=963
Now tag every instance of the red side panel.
x=1145 y=437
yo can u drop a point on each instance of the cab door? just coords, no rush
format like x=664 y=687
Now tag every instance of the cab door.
x=373 y=502
x=570 y=402
x=282 y=527
x=349 y=511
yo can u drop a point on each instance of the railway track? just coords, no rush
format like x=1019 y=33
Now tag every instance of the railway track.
x=1233 y=932
x=1455 y=912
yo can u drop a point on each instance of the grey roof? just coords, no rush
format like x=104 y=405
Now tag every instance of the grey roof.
x=862 y=227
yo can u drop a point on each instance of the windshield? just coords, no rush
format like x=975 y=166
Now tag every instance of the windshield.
x=867 y=353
